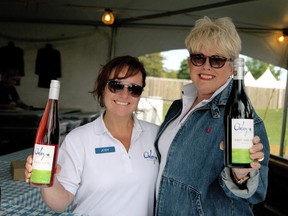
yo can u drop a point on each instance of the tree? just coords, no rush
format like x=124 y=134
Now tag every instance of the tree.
x=153 y=64
x=184 y=72
x=172 y=74
x=257 y=68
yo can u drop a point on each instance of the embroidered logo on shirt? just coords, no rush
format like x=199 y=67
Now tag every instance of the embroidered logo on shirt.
x=148 y=155
x=105 y=150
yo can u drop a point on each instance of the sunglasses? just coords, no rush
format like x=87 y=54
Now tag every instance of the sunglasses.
x=215 y=61
x=117 y=86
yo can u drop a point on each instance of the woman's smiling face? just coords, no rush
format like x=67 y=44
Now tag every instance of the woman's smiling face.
x=206 y=78
x=122 y=103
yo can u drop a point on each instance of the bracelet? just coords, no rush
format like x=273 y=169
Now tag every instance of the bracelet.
x=240 y=181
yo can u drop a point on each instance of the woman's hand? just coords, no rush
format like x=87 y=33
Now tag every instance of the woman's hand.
x=256 y=155
x=28 y=168
x=56 y=197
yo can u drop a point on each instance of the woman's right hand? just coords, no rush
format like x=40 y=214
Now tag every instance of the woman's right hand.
x=28 y=168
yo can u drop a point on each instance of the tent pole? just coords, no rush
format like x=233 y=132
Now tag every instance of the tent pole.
x=284 y=118
x=112 y=46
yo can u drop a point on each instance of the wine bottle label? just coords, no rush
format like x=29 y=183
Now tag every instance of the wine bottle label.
x=242 y=135
x=42 y=163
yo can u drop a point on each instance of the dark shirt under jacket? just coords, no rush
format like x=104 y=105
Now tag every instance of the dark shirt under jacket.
x=48 y=65
x=11 y=57
x=8 y=94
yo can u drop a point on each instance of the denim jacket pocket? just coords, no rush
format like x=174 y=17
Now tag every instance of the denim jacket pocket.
x=176 y=195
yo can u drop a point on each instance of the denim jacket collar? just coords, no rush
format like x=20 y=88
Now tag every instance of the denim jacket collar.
x=176 y=108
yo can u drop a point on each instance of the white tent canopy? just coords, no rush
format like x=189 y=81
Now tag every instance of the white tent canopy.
x=267 y=80
x=249 y=79
x=143 y=27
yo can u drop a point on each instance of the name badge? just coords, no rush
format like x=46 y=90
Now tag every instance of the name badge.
x=104 y=150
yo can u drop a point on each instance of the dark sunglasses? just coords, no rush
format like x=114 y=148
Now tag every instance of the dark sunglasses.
x=116 y=86
x=215 y=61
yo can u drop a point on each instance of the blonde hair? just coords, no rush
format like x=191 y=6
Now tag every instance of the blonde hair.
x=220 y=33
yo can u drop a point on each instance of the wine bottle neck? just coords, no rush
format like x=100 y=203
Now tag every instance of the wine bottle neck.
x=239 y=73
x=54 y=94
x=54 y=90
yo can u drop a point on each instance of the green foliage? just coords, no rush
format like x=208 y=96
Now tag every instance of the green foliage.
x=184 y=72
x=273 y=124
x=153 y=64
x=172 y=74
x=257 y=68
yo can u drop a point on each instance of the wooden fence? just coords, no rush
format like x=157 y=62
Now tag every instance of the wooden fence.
x=171 y=89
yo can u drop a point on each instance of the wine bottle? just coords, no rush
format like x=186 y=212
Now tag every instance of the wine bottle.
x=238 y=122
x=47 y=141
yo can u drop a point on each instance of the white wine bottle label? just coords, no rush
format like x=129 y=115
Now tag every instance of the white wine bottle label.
x=242 y=136
x=42 y=163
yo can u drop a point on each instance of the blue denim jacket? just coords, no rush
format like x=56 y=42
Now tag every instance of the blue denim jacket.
x=193 y=180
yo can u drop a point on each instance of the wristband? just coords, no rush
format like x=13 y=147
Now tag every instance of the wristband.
x=240 y=181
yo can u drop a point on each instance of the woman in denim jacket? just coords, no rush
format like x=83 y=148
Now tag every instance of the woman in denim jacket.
x=192 y=178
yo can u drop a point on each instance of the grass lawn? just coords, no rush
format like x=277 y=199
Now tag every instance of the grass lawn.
x=273 y=122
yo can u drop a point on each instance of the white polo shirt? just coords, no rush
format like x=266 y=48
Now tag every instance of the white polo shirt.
x=104 y=178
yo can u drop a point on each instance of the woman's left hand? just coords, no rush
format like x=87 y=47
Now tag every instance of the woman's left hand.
x=255 y=153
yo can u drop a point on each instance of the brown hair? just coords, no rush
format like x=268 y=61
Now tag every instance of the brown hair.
x=134 y=67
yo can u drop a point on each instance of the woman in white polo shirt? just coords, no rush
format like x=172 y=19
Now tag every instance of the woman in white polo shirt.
x=109 y=166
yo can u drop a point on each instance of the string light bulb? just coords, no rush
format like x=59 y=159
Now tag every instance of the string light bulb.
x=108 y=17
x=282 y=39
